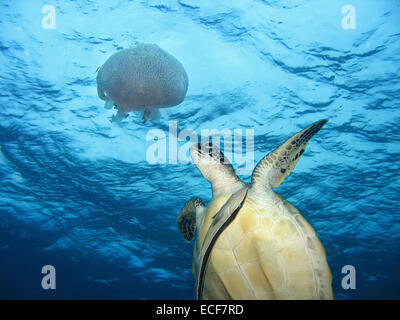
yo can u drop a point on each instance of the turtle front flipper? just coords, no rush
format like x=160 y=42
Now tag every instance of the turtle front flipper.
x=187 y=218
x=278 y=164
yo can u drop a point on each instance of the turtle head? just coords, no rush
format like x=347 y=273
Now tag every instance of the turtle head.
x=207 y=154
x=214 y=166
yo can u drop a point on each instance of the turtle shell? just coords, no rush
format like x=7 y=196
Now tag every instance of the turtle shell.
x=268 y=251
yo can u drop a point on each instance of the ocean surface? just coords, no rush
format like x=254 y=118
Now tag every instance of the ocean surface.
x=84 y=194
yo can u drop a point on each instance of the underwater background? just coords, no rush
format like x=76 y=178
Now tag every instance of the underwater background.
x=78 y=192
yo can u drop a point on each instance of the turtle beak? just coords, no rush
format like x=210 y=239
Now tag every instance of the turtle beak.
x=197 y=147
x=206 y=153
x=202 y=150
x=195 y=152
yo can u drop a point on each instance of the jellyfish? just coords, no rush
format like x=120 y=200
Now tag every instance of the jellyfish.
x=144 y=78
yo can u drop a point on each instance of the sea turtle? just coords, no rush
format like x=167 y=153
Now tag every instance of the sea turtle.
x=252 y=243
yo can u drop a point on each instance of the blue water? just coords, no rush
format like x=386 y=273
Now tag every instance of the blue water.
x=77 y=191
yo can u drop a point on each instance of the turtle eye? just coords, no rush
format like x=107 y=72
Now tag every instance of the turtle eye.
x=215 y=154
x=210 y=150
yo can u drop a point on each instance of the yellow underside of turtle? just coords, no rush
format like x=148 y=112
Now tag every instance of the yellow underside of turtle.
x=267 y=252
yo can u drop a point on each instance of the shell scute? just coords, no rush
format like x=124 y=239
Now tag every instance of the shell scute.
x=258 y=281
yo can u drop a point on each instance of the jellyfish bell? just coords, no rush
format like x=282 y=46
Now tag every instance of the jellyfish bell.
x=144 y=78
